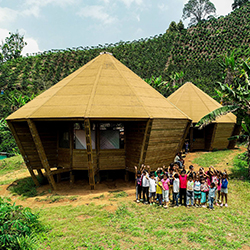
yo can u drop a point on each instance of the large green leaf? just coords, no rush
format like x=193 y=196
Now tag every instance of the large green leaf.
x=212 y=116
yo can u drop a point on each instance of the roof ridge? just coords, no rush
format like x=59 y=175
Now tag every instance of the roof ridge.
x=131 y=87
x=87 y=112
x=196 y=91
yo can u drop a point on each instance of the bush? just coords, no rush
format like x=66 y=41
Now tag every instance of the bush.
x=240 y=166
x=17 y=225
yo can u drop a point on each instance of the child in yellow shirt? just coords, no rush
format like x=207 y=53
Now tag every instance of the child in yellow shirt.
x=159 y=190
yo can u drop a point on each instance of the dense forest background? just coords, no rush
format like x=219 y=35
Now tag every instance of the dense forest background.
x=173 y=58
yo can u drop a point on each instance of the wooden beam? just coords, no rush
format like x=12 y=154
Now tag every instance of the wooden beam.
x=97 y=148
x=41 y=152
x=213 y=136
x=87 y=127
x=59 y=171
x=180 y=146
x=71 y=143
x=22 y=151
x=145 y=142
x=191 y=137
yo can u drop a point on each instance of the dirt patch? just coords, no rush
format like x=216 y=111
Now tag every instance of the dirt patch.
x=80 y=193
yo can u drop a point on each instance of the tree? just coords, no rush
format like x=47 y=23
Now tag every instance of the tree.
x=172 y=27
x=198 y=10
x=13 y=46
x=180 y=26
x=238 y=3
x=236 y=91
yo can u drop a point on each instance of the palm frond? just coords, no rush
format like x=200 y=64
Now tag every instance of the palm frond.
x=236 y=137
x=212 y=116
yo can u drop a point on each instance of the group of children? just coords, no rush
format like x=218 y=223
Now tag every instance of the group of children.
x=174 y=184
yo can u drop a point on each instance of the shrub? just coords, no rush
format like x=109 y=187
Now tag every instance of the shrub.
x=17 y=225
x=240 y=166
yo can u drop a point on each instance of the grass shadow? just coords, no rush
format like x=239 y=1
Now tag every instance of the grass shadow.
x=25 y=187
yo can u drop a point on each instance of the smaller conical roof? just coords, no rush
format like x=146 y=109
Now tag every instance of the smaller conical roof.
x=196 y=104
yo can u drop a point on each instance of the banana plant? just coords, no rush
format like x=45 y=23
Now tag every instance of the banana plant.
x=237 y=93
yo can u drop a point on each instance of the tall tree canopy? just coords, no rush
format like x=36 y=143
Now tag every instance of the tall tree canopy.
x=12 y=47
x=198 y=10
x=238 y=3
x=236 y=90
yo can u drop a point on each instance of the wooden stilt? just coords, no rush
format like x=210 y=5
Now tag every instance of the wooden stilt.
x=97 y=148
x=126 y=176
x=25 y=157
x=145 y=142
x=89 y=153
x=41 y=152
x=40 y=173
x=72 y=178
x=58 y=178
x=71 y=144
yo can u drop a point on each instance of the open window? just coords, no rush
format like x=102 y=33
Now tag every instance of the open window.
x=111 y=135
x=80 y=136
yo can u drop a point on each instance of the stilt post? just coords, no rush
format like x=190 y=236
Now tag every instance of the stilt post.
x=87 y=127
x=41 y=152
x=25 y=157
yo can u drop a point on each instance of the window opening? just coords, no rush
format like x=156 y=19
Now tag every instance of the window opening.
x=111 y=135
x=80 y=136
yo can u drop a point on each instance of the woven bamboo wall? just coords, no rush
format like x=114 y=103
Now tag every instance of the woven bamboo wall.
x=134 y=138
x=112 y=159
x=164 y=141
x=223 y=131
x=28 y=144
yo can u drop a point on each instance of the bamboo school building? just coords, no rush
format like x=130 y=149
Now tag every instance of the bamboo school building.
x=101 y=117
x=196 y=104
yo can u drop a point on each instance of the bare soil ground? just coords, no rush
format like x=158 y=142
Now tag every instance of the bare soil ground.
x=79 y=193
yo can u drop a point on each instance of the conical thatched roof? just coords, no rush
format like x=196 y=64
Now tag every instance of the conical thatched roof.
x=196 y=104
x=103 y=88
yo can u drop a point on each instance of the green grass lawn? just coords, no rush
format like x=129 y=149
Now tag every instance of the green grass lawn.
x=213 y=158
x=138 y=226
x=11 y=164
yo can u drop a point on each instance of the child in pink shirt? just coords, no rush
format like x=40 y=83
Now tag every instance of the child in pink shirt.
x=218 y=188
x=165 y=190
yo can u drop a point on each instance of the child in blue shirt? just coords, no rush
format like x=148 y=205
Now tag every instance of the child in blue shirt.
x=211 y=195
x=224 y=190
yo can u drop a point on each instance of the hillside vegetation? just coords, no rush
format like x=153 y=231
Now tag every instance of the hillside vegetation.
x=195 y=51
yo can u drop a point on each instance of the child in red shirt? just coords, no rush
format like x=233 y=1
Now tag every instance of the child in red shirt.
x=183 y=187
